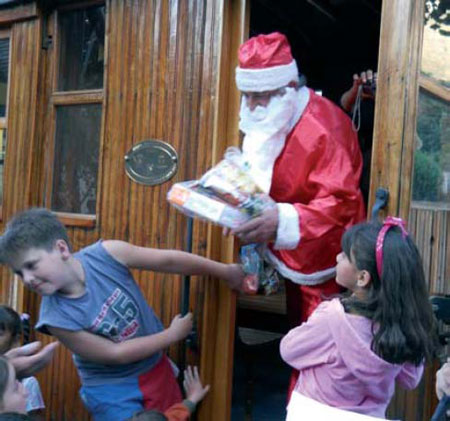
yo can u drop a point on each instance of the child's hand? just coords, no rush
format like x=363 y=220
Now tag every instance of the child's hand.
x=443 y=380
x=29 y=359
x=193 y=387
x=235 y=276
x=180 y=327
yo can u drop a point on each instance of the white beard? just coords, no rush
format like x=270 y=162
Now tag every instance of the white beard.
x=265 y=130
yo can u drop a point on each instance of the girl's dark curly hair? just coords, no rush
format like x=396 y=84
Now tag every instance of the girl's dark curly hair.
x=10 y=322
x=404 y=326
x=4 y=378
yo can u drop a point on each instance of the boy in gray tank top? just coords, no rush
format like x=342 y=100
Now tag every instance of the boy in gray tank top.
x=91 y=303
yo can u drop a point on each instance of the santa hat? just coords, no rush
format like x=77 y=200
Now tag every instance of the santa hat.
x=265 y=64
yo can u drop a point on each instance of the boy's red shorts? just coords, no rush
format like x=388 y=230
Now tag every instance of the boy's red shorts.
x=159 y=386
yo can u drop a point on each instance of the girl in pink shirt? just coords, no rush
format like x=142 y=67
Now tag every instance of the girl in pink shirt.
x=351 y=350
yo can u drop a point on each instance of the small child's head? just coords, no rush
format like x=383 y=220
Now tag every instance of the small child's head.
x=10 y=329
x=382 y=266
x=35 y=240
x=148 y=415
x=13 y=396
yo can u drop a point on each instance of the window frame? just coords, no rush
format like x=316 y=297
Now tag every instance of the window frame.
x=434 y=88
x=66 y=98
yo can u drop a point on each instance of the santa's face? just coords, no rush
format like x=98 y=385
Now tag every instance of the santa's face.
x=266 y=119
x=261 y=99
x=267 y=112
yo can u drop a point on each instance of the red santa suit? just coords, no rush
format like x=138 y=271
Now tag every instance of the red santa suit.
x=315 y=182
x=312 y=171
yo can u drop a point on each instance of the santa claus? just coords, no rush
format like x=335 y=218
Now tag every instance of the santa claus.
x=301 y=150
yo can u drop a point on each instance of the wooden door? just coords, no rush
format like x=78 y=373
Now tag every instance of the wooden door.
x=144 y=70
x=410 y=151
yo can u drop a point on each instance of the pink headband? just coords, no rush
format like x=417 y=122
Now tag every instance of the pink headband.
x=390 y=221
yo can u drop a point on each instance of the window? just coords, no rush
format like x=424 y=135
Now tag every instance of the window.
x=4 y=77
x=431 y=181
x=76 y=158
x=82 y=41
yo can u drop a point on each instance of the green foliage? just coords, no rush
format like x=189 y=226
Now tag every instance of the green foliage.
x=427 y=179
x=437 y=12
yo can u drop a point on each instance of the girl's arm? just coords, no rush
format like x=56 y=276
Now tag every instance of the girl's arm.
x=308 y=344
x=173 y=261
x=102 y=350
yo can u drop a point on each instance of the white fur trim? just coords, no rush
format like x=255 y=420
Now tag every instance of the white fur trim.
x=288 y=231
x=315 y=278
x=303 y=99
x=267 y=79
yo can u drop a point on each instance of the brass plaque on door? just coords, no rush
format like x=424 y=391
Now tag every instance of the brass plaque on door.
x=151 y=162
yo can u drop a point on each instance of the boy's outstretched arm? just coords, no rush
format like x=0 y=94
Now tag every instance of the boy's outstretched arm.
x=173 y=261
x=102 y=350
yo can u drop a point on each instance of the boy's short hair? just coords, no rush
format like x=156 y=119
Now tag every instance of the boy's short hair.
x=34 y=228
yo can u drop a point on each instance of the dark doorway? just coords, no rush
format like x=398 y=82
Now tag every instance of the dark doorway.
x=331 y=40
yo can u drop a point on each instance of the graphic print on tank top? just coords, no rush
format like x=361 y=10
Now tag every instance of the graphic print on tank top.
x=117 y=319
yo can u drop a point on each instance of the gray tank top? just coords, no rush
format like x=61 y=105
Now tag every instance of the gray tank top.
x=112 y=306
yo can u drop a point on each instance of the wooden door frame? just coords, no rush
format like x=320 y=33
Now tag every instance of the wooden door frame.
x=219 y=315
x=400 y=52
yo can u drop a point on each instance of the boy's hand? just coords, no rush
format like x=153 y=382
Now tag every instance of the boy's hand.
x=235 y=276
x=180 y=327
x=193 y=387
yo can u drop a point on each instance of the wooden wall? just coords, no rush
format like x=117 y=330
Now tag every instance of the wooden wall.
x=24 y=52
x=161 y=82
x=430 y=226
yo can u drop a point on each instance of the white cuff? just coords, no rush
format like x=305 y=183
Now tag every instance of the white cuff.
x=288 y=231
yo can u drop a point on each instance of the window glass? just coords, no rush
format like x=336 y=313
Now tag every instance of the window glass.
x=81 y=47
x=431 y=181
x=76 y=158
x=4 y=67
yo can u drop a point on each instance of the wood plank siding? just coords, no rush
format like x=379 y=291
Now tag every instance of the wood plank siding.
x=162 y=72
x=21 y=134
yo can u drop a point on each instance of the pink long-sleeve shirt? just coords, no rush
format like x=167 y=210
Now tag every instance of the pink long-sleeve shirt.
x=337 y=367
